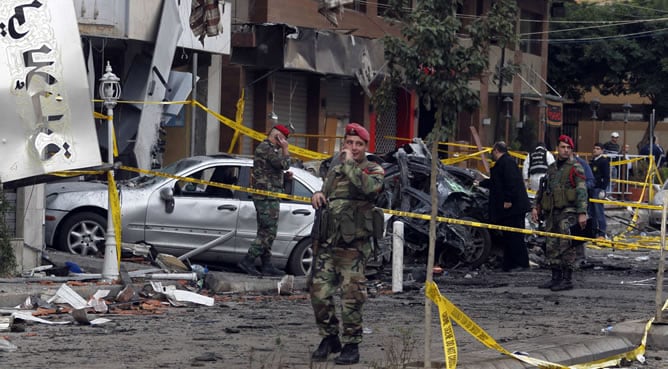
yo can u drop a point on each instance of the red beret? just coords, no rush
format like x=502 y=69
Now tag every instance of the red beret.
x=355 y=129
x=283 y=129
x=568 y=140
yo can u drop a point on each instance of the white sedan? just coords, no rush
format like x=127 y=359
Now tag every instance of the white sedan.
x=176 y=217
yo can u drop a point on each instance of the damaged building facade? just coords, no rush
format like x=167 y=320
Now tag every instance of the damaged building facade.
x=295 y=65
x=156 y=47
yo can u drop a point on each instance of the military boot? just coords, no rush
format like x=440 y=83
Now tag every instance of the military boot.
x=555 y=280
x=567 y=281
x=349 y=355
x=329 y=344
x=248 y=265
x=268 y=269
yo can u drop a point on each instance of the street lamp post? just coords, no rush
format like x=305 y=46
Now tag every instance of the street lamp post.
x=508 y=100
x=594 y=105
x=543 y=120
x=627 y=109
x=110 y=92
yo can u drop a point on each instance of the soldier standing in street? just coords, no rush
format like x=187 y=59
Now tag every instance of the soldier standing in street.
x=562 y=200
x=348 y=193
x=269 y=165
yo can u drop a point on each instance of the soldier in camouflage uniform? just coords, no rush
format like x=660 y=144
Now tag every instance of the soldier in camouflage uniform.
x=562 y=201
x=271 y=160
x=349 y=193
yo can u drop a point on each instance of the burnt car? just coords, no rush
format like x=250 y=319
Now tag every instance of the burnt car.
x=407 y=188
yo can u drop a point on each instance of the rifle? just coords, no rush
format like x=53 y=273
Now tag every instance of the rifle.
x=317 y=233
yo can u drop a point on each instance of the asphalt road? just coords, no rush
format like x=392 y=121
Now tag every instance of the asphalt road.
x=267 y=331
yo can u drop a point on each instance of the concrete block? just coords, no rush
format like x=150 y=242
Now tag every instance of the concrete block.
x=657 y=339
x=217 y=283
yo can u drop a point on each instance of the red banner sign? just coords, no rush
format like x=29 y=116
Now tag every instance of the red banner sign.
x=554 y=113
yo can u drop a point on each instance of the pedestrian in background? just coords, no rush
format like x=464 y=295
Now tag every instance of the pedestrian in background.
x=270 y=164
x=562 y=201
x=612 y=146
x=349 y=193
x=535 y=166
x=600 y=166
x=657 y=152
x=612 y=150
x=508 y=205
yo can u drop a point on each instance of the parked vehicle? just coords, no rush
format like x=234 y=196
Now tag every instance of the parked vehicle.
x=175 y=216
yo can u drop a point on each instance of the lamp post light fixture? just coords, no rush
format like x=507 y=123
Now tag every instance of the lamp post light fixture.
x=594 y=105
x=110 y=92
x=508 y=100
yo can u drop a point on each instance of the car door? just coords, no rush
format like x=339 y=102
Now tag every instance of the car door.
x=293 y=219
x=201 y=214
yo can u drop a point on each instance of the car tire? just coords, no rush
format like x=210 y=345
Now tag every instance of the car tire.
x=83 y=234
x=478 y=253
x=301 y=258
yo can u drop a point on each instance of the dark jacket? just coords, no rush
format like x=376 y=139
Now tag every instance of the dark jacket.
x=600 y=166
x=506 y=185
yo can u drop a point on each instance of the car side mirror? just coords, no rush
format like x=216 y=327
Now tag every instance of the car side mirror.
x=167 y=195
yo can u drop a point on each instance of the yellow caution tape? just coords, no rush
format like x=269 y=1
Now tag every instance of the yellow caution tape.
x=616 y=242
x=221 y=185
x=460 y=158
x=115 y=203
x=448 y=310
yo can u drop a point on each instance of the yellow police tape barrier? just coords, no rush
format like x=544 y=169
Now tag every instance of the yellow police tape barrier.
x=448 y=310
x=221 y=185
x=608 y=243
x=258 y=136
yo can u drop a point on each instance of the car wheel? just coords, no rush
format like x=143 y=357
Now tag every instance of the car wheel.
x=301 y=259
x=83 y=234
x=476 y=253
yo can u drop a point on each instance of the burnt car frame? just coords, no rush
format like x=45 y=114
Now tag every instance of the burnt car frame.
x=407 y=184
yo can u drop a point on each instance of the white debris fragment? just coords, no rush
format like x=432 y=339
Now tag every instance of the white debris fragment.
x=29 y=317
x=175 y=296
x=66 y=295
x=286 y=285
x=7 y=346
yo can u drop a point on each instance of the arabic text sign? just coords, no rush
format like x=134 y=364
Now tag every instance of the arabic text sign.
x=47 y=118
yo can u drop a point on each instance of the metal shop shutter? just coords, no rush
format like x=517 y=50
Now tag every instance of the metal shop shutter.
x=386 y=125
x=338 y=98
x=290 y=102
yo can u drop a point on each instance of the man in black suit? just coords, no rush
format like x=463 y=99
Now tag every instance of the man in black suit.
x=508 y=205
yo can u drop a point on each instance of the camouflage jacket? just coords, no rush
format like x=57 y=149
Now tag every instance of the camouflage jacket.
x=351 y=189
x=564 y=187
x=268 y=166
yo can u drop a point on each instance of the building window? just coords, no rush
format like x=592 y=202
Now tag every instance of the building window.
x=531 y=26
x=357 y=5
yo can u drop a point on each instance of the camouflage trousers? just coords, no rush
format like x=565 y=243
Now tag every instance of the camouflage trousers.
x=560 y=251
x=341 y=266
x=267 y=225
